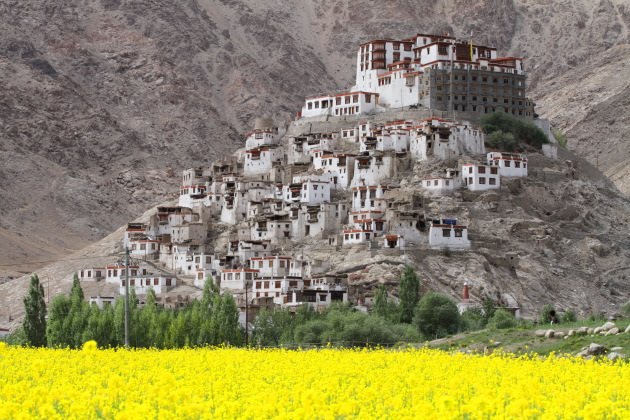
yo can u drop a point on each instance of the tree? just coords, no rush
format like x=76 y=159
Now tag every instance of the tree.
x=383 y=307
x=57 y=331
x=35 y=314
x=436 y=316
x=409 y=294
x=272 y=328
x=502 y=320
x=502 y=141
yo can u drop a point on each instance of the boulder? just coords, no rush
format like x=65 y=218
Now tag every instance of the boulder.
x=590 y=331
x=617 y=349
x=597 y=330
x=583 y=353
x=558 y=334
x=540 y=333
x=582 y=331
x=613 y=331
x=596 y=349
x=549 y=334
x=613 y=355
x=571 y=333
x=608 y=325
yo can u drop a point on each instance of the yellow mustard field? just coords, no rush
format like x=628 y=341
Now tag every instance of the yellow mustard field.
x=326 y=384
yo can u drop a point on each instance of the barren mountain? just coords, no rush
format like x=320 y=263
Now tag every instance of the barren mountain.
x=102 y=103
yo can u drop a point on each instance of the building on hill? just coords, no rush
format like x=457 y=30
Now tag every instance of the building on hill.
x=446 y=233
x=449 y=182
x=443 y=139
x=509 y=164
x=438 y=72
x=478 y=177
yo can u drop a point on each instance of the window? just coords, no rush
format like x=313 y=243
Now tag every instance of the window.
x=458 y=233
x=482 y=169
x=492 y=181
x=446 y=233
x=309 y=105
x=355 y=98
x=316 y=104
x=482 y=180
x=368 y=99
x=494 y=170
x=347 y=100
x=508 y=163
x=435 y=182
x=517 y=164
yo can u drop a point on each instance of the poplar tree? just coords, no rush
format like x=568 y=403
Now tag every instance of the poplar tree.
x=35 y=314
x=409 y=294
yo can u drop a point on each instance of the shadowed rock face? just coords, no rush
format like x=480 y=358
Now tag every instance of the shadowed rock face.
x=99 y=99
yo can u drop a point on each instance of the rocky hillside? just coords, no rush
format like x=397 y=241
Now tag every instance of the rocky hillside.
x=102 y=102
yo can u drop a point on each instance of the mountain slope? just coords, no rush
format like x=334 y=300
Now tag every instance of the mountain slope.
x=103 y=102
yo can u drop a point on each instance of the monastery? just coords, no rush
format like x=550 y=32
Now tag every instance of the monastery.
x=238 y=220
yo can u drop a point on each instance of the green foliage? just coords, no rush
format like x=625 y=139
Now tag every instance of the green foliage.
x=523 y=131
x=473 y=319
x=409 y=294
x=560 y=137
x=272 y=328
x=502 y=320
x=625 y=310
x=502 y=141
x=348 y=328
x=488 y=308
x=35 y=314
x=383 y=307
x=569 y=316
x=436 y=316
x=547 y=314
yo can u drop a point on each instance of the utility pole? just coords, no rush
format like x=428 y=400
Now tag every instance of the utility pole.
x=246 y=316
x=450 y=102
x=127 y=297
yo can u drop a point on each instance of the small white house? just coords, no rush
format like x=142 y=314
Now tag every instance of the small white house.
x=509 y=164
x=272 y=266
x=261 y=160
x=394 y=241
x=372 y=169
x=339 y=166
x=370 y=197
x=357 y=236
x=347 y=103
x=310 y=190
x=237 y=279
x=477 y=177
x=446 y=233
x=451 y=181
x=262 y=137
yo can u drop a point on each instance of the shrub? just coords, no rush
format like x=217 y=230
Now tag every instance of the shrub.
x=436 y=316
x=473 y=319
x=522 y=130
x=625 y=310
x=547 y=314
x=569 y=316
x=502 y=320
x=560 y=137
x=502 y=141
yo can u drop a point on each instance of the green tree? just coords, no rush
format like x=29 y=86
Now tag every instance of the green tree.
x=436 y=316
x=488 y=307
x=473 y=319
x=502 y=141
x=225 y=321
x=58 y=329
x=502 y=320
x=383 y=307
x=522 y=130
x=272 y=328
x=35 y=314
x=409 y=294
